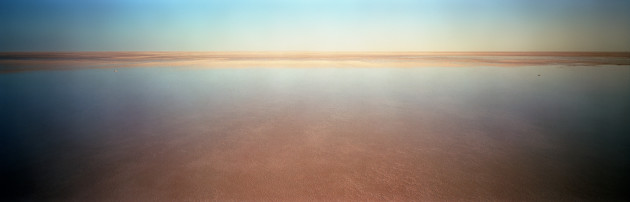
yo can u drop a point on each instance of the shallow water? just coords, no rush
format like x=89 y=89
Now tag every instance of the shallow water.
x=427 y=133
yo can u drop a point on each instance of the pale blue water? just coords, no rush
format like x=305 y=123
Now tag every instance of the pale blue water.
x=404 y=133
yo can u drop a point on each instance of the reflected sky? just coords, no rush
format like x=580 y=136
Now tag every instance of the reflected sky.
x=434 y=133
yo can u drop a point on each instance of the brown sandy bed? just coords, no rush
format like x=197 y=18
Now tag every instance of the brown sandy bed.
x=295 y=134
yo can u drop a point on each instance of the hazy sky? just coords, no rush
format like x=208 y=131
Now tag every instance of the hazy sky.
x=311 y=25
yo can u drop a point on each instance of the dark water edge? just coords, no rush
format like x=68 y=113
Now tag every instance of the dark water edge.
x=550 y=132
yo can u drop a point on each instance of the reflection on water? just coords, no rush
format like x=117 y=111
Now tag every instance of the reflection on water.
x=432 y=133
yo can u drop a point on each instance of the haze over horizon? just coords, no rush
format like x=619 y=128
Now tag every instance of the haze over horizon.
x=349 y=25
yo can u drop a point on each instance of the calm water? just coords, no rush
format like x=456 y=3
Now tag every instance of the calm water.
x=432 y=133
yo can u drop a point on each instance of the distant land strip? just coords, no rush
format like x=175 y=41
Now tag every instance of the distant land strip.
x=33 y=61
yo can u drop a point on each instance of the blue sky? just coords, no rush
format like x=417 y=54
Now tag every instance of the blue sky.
x=310 y=25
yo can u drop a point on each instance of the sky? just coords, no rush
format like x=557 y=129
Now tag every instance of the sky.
x=310 y=25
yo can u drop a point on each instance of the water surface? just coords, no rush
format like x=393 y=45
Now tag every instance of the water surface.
x=554 y=131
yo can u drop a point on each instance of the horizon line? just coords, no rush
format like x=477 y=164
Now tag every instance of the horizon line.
x=315 y=51
x=276 y=54
x=30 y=61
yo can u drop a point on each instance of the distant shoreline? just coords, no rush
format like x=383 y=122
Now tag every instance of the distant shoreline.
x=47 y=54
x=32 y=61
